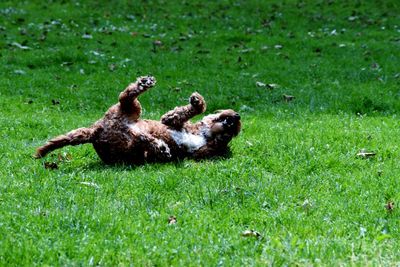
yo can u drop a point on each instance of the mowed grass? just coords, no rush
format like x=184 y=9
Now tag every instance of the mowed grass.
x=293 y=176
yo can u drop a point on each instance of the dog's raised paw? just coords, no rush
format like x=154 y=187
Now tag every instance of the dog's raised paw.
x=147 y=81
x=197 y=101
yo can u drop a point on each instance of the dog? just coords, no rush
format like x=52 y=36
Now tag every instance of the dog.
x=121 y=136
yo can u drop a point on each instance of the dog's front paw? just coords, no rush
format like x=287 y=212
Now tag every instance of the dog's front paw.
x=197 y=101
x=147 y=81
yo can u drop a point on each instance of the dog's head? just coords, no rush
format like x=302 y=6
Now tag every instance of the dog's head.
x=223 y=125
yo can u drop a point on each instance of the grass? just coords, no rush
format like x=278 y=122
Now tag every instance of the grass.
x=293 y=176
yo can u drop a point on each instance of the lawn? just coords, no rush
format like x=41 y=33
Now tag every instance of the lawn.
x=294 y=176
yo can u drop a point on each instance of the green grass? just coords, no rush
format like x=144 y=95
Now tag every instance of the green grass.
x=293 y=175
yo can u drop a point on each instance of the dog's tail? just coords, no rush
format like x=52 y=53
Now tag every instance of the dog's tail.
x=73 y=138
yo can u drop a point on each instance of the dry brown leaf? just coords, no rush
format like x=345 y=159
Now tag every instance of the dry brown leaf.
x=50 y=165
x=363 y=153
x=157 y=42
x=389 y=206
x=288 y=98
x=272 y=85
x=64 y=157
x=260 y=84
x=251 y=233
x=172 y=219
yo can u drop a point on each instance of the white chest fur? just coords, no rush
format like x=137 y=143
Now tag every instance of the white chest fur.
x=190 y=141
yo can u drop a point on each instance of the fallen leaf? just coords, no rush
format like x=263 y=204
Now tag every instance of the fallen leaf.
x=306 y=205
x=389 y=206
x=172 y=220
x=50 y=165
x=157 y=43
x=66 y=63
x=87 y=36
x=19 y=72
x=247 y=50
x=64 y=157
x=20 y=46
x=272 y=85
x=112 y=67
x=260 y=84
x=288 y=98
x=363 y=153
x=352 y=18
x=251 y=233
x=375 y=66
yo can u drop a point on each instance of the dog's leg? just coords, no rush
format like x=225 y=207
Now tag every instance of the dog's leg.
x=73 y=138
x=177 y=117
x=128 y=98
x=154 y=149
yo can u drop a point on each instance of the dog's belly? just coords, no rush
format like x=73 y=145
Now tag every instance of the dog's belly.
x=190 y=142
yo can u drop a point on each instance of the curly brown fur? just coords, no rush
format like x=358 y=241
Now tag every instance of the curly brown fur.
x=121 y=136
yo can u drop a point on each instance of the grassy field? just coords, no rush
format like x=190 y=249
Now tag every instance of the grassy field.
x=294 y=175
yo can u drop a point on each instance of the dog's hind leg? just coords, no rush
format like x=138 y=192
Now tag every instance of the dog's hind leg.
x=128 y=98
x=73 y=138
x=179 y=115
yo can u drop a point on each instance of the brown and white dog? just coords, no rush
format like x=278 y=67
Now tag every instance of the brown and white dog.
x=122 y=137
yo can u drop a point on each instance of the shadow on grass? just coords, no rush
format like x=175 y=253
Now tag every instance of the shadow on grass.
x=98 y=165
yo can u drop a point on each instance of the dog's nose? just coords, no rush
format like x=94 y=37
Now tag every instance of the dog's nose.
x=236 y=116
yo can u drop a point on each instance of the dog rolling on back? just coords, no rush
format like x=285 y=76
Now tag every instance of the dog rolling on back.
x=121 y=136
